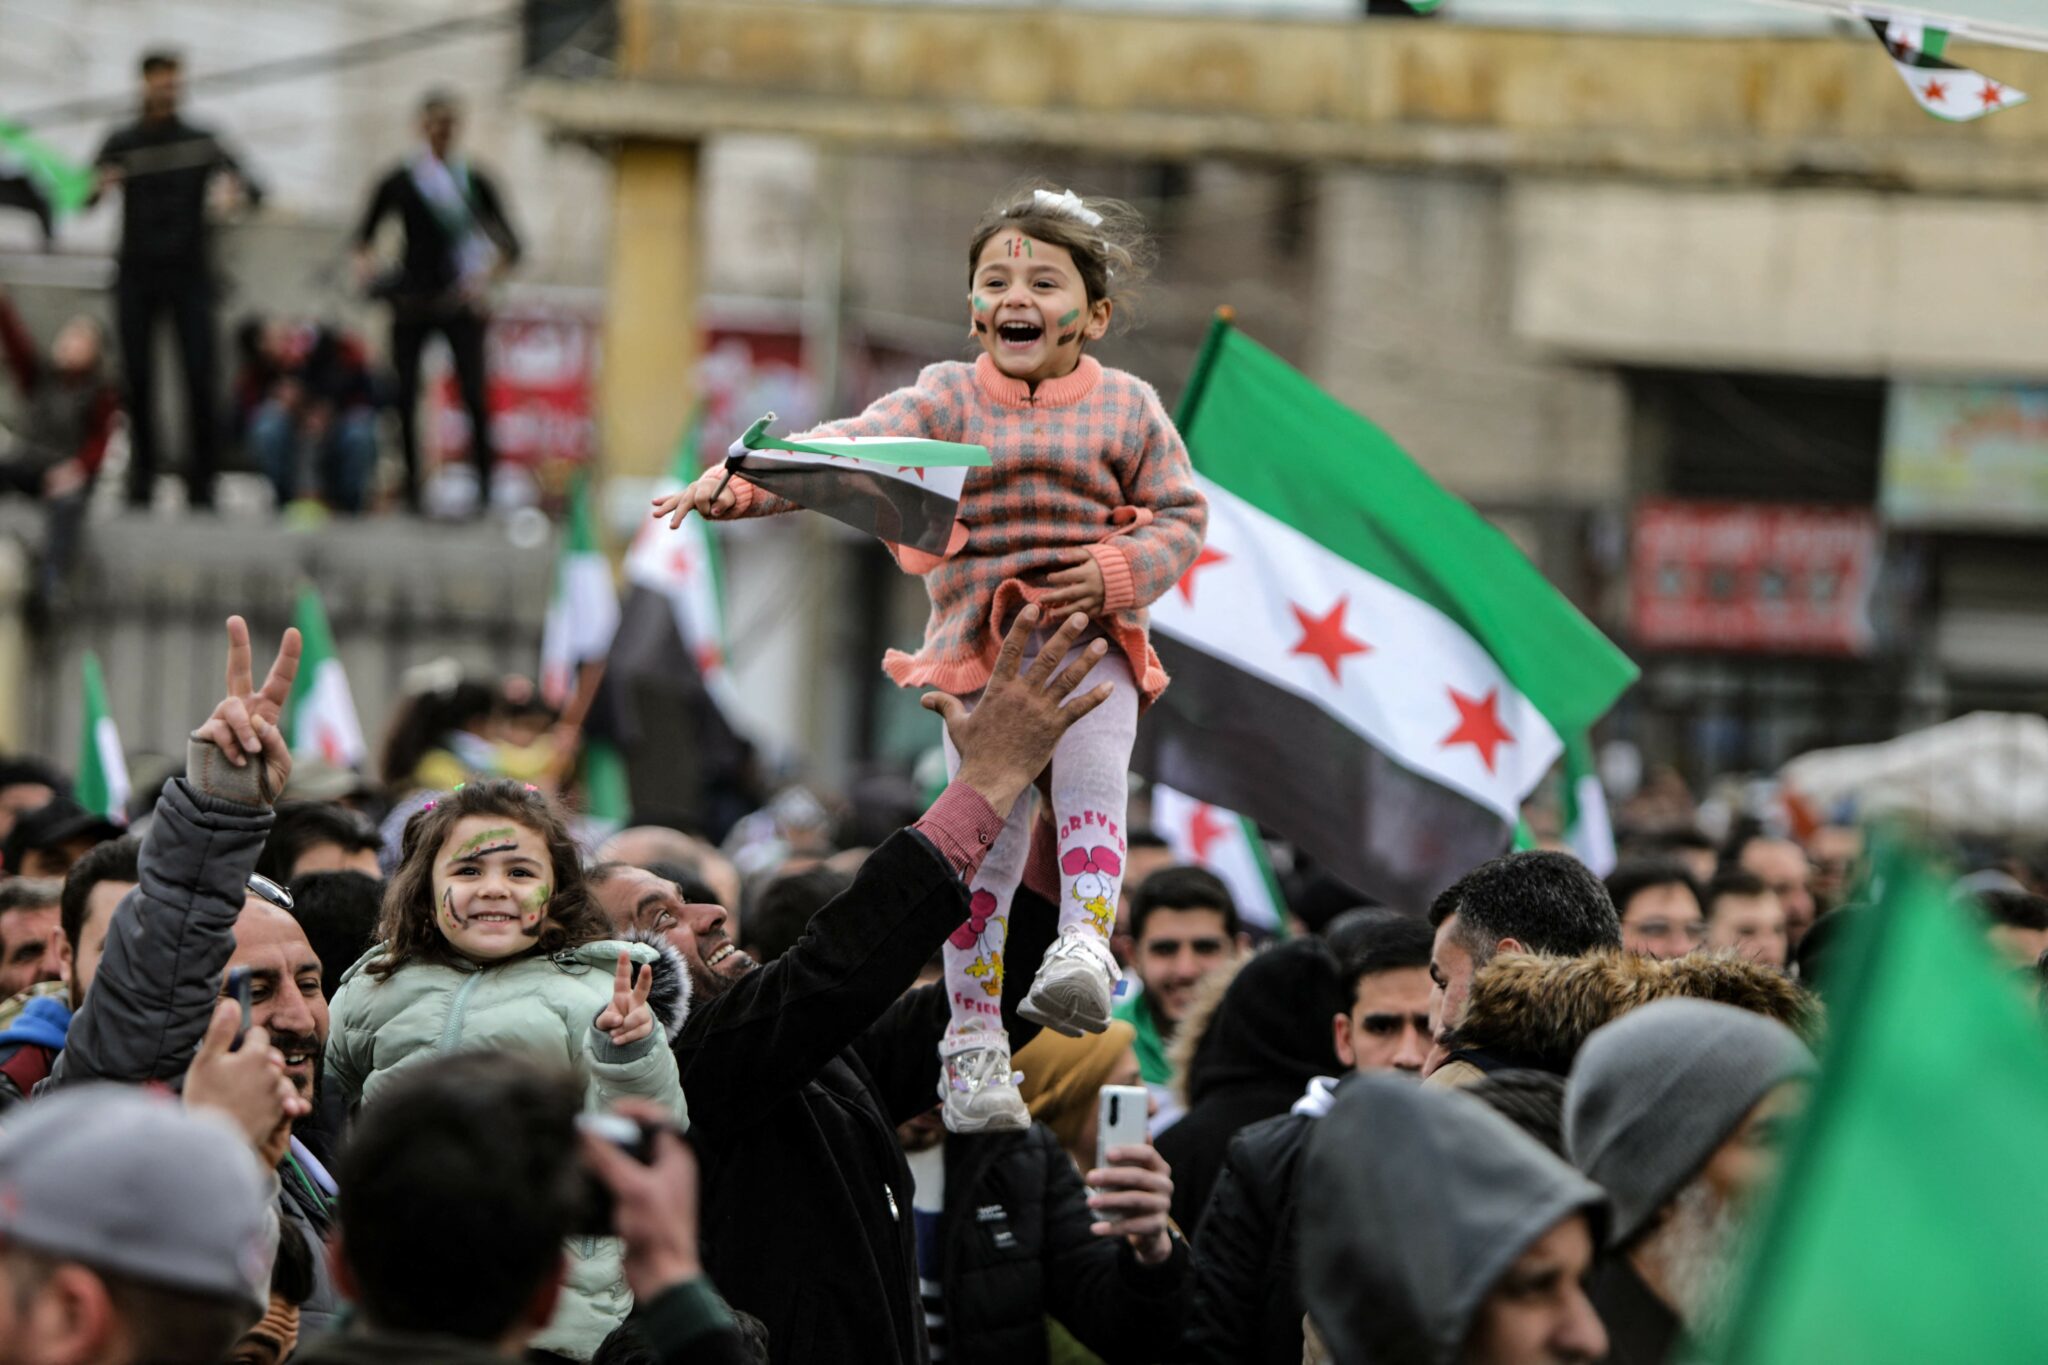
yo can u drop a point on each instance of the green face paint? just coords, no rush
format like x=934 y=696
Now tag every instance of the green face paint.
x=980 y=303
x=1068 y=320
x=477 y=841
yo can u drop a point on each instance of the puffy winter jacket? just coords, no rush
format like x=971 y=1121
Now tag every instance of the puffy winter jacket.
x=1016 y=1247
x=541 y=1006
x=1247 y=1254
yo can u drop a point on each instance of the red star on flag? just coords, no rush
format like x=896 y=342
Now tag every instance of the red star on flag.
x=1202 y=561
x=709 y=660
x=1478 y=724
x=916 y=469
x=1325 y=638
x=1991 y=94
x=330 y=747
x=679 y=563
x=1934 y=92
x=1205 y=829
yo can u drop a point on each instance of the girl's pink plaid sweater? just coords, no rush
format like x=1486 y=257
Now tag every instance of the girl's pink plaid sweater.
x=1090 y=461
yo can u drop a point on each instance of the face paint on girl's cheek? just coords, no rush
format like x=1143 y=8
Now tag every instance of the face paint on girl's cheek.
x=980 y=327
x=1066 y=337
x=451 y=918
x=980 y=303
x=1070 y=319
x=534 y=911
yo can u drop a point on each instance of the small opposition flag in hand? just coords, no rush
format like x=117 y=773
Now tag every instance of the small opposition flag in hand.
x=1943 y=89
x=903 y=490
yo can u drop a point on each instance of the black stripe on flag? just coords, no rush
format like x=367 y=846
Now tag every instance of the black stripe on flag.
x=897 y=510
x=1304 y=774
x=1908 y=56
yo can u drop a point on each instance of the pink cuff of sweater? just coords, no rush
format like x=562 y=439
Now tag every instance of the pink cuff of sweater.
x=1119 y=585
x=963 y=827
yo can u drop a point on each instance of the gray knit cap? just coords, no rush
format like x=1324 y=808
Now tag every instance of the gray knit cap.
x=1655 y=1093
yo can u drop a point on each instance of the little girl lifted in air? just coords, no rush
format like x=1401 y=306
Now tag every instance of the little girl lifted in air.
x=1089 y=505
x=488 y=940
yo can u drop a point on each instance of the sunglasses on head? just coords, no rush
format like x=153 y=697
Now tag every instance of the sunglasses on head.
x=263 y=888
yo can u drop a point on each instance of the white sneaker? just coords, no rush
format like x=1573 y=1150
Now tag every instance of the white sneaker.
x=1072 y=989
x=977 y=1088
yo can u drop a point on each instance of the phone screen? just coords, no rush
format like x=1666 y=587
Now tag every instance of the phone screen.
x=238 y=988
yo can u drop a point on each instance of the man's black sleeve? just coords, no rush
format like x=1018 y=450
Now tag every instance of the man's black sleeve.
x=491 y=216
x=775 y=1028
x=1233 y=1258
x=383 y=202
x=901 y=1052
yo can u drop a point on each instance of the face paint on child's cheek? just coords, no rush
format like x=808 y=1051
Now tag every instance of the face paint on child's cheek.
x=451 y=918
x=980 y=327
x=1066 y=337
x=980 y=303
x=533 y=910
x=1071 y=318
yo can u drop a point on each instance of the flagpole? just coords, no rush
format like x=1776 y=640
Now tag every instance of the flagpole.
x=1205 y=360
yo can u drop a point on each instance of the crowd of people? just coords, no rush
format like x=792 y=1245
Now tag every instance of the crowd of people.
x=466 y=1085
x=305 y=401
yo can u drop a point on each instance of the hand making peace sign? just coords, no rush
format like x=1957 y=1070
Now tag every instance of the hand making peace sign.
x=244 y=725
x=628 y=1018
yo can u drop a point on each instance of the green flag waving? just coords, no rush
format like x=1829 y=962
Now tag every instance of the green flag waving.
x=1911 y=1224
x=102 y=767
x=35 y=177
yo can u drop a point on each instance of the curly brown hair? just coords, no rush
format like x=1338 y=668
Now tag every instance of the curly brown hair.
x=1114 y=256
x=406 y=927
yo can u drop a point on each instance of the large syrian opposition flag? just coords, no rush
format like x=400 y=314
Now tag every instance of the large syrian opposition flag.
x=102 y=766
x=320 y=715
x=1360 y=662
x=1226 y=844
x=904 y=490
x=1942 y=88
x=583 y=611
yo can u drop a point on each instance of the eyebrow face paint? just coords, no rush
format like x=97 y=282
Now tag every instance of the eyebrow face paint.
x=475 y=842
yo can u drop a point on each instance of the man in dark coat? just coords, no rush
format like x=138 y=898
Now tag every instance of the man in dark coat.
x=1247 y=1292
x=797 y=1073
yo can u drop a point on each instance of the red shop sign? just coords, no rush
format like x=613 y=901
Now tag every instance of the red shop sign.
x=1778 y=578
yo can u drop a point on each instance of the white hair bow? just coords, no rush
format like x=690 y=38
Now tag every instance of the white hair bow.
x=1066 y=203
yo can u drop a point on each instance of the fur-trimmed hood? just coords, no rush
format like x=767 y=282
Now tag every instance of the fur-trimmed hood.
x=1534 y=1010
x=670 y=998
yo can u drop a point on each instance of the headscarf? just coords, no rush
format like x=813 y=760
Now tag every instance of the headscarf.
x=1063 y=1075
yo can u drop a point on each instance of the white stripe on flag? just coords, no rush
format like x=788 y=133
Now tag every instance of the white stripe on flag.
x=113 y=765
x=945 y=481
x=1386 y=664
x=1592 y=834
x=327 y=723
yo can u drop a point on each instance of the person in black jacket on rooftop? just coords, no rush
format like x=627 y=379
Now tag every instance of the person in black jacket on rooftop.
x=458 y=243
x=165 y=168
x=797 y=1073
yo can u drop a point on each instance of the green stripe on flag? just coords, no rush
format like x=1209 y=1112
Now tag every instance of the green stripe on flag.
x=917 y=453
x=607 y=797
x=581 y=537
x=1263 y=431
x=1257 y=844
x=102 y=768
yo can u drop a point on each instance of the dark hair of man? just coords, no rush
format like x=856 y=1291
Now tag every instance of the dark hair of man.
x=338 y=911
x=1531 y=1100
x=1732 y=881
x=32 y=772
x=117 y=860
x=2019 y=909
x=1368 y=942
x=479 y=1148
x=1671 y=841
x=1546 y=901
x=300 y=825
x=292 y=1276
x=160 y=1325
x=688 y=881
x=778 y=919
x=1182 y=887
x=1637 y=875
x=161 y=59
x=28 y=893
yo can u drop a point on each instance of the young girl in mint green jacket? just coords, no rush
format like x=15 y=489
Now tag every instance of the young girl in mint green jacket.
x=488 y=940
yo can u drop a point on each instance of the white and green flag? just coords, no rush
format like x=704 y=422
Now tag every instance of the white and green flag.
x=320 y=715
x=584 y=608
x=1360 y=662
x=1942 y=88
x=1226 y=844
x=682 y=569
x=102 y=767
x=903 y=490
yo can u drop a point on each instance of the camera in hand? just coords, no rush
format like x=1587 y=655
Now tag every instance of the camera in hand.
x=593 y=1213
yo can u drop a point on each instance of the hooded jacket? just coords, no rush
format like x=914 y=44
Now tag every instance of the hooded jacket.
x=1535 y=1010
x=546 y=1006
x=30 y=1044
x=1424 y=1198
x=1269 y=1037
